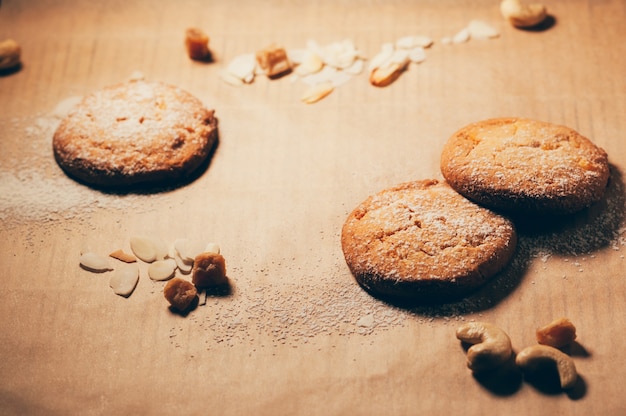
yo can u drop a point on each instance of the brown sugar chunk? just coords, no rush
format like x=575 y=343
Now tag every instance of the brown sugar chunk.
x=274 y=61
x=180 y=293
x=197 y=44
x=422 y=240
x=209 y=270
x=135 y=133
x=525 y=166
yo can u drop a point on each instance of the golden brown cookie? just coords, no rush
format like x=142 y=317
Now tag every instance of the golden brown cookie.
x=135 y=133
x=423 y=241
x=525 y=166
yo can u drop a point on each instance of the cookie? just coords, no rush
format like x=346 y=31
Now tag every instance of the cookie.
x=423 y=241
x=525 y=166
x=135 y=133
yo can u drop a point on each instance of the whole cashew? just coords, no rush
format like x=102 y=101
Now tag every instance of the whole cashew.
x=537 y=354
x=10 y=52
x=522 y=15
x=492 y=346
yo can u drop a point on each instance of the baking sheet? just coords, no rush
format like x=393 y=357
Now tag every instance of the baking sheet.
x=297 y=335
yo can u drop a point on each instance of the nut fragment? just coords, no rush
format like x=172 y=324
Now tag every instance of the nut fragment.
x=481 y=30
x=240 y=70
x=197 y=44
x=212 y=248
x=273 y=61
x=523 y=15
x=310 y=63
x=316 y=92
x=386 y=74
x=209 y=270
x=188 y=249
x=538 y=355
x=144 y=248
x=124 y=280
x=180 y=293
x=557 y=333
x=121 y=255
x=10 y=53
x=162 y=269
x=491 y=345
x=94 y=262
x=387 y=65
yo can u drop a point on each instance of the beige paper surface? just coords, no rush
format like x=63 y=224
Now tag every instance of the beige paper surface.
x=297 y=335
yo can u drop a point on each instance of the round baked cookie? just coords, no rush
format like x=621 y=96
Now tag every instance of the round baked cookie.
x=135 y=133
x=525 y=166
x=423 y=241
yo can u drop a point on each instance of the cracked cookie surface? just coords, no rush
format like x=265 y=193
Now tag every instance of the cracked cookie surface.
x=421 y=240
x=135 y=133
x=525 y=166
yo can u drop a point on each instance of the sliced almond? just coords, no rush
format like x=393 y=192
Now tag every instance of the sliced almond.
x=161 y=248
x=316 y=92
x=144 y=248
x=387 y=74
x=382 y=57
x=184 y=266
x=121 y=255
x=242 y=66
x=339 y=78
x=339 y=54
x=410 y=42
x=231 y=79
x=94 y=262
x=188 y=249
x=162 y=269
x=417 y=55
x=310 y=64
x=461 y=36
x=481 y=30
x=356 y=67
x=212 y=248
x=400 y=56
x=124 y=280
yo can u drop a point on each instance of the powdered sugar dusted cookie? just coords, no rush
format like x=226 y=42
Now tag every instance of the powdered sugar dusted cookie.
x=525 y=166
x=135 y=133
x=422 y=240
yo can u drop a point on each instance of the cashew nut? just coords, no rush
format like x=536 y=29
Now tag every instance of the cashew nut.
x=10 y=52
x=523 y=15
x=535 y=355
x=491 y=345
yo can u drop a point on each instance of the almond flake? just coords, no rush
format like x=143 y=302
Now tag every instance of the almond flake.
x=188 y=249
x=242 y=66
x=231 y=79
x=481 y=30
x=311 y=63
x=417 y=55
x=410 y=42
x=184 y=266
x=462 y=36
x=162 y=269
x=124 y=280
x=399 y=56
x=316 y=92
x=212 y=248
x=356 y=67
x=94 y=262
x=386 y=74
x=144 y=248
x=382 y=57
x=121 y=255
